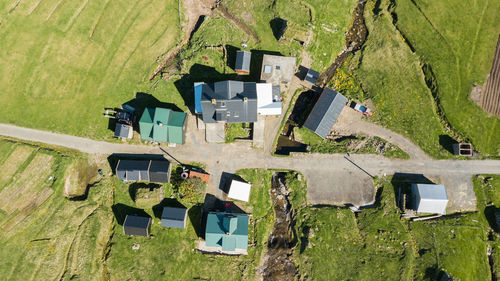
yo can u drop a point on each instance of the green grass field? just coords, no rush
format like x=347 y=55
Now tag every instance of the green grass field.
x=63 y=62
x=391 y=75
x=458 y=42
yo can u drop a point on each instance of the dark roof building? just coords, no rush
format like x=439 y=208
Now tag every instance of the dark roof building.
x=325 y=112
x=242 y=64
x=174 y=217
x=497 y=219
x=123 y=131
x=229 y=101
x=136 y=225
x=143 y=170
x=312 y=76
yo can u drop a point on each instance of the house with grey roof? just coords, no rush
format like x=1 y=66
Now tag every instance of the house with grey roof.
x=312 y=76
x=242 y=64
x=229 y=101
x=137 y=225
x=123 y=131
x=325 y=112
x=143 y=170
x=174 y=217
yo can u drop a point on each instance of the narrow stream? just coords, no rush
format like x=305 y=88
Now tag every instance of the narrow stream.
x=278 y=263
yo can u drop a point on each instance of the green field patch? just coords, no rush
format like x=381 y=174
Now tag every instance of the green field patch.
x=391 y=74
x=458 y=45
x=12 y=163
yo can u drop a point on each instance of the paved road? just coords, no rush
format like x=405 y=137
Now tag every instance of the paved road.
x=332 y=179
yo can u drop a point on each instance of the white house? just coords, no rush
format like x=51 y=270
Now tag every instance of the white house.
x=430 y=198
x=267 y=102
x=239 y=190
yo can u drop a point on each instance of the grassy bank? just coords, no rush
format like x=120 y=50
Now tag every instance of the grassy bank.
x=391 y=75
x=458 y=45
x=350 y=144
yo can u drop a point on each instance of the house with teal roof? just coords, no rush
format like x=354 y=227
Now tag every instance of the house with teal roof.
x=227 y=231
x=162 y=125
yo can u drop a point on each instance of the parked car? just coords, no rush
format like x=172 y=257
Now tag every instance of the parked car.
x=361 y=108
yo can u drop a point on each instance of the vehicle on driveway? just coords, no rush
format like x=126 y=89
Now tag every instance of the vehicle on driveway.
x=361 y=108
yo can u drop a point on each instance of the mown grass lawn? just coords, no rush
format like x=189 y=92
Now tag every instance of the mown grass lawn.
x=63 y=62
x=458 y=42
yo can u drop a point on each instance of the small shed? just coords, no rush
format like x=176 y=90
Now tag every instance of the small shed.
x=325 y=112
x=312 y=76
x=194 y=174
x=239 y=190
x=159 y=171
x=429 y=198
x=462 y=149
x=123 y=131
x=242 y=65
x=143 y=170
x=174 y=217
x=136 y=225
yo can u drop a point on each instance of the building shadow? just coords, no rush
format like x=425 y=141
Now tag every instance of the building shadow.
x=134 y=187
x=121 y=211
x=231 y=56
x=195 y=216
x=278 y=27
x=303 y=106
x=113 y=158
x=226 y=179
x=447 y=143
x=166 y=202
x=302 y=72
x=489 y=213
x=402 y=182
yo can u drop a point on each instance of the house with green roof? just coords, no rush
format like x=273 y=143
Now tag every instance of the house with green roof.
x=163 y=125
x=227 y=231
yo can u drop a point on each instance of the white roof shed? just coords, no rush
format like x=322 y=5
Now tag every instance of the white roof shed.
x=265 y=100
x=239 y=190
x=430 y=198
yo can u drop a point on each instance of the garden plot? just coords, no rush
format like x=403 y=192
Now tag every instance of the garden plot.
x=28 y=191
x=13 y=162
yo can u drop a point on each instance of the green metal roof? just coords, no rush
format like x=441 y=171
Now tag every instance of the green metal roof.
x=177 y=119
x=146 y=124
x=227 y=230
x=162 y=125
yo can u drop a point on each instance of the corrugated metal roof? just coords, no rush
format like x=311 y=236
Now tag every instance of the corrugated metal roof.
x=198 y=88
x=136 y=225
x=312 y=76
x=173 y=217
x=219 y=225
x=122 y=130
x=325 y=112
x=243 y=59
